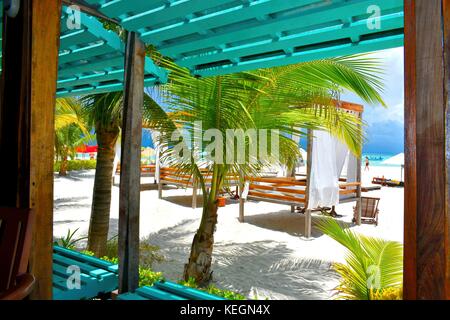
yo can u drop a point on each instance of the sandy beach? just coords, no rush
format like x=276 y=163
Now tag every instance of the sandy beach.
x=265 y=257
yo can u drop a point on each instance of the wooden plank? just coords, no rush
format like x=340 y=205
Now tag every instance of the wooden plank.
x=27 y=124
x=129 y=198
x=446 y=29
x=275 y=188
x=308 y=219
x=276 y=196
x=426 y=141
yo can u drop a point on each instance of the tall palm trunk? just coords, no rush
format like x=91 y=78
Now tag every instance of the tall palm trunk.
x=101 y=202
x=63 y=165
x=199 y=264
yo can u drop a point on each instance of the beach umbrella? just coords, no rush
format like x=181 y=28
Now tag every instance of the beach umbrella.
x=397 y=160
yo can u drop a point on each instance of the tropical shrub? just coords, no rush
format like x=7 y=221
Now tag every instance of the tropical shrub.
x=69 y=241
x=211 y=289
x=76 y=165
x=148 y=253
x=373 y=269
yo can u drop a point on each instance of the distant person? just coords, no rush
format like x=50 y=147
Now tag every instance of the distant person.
x=367 y=164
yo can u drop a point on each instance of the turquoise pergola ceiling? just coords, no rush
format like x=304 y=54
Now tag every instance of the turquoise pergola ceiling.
x=212 y=37
x=91 y=59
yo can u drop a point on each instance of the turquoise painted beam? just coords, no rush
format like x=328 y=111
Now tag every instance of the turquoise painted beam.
x=324 y=52
x=168 y=13
x=334 y=12
x=295 y=42
x=214 y=20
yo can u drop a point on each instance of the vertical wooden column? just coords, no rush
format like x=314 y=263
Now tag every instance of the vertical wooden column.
x=130 y=165
x=30 y=63
x=427 y=150
x=358 y=178
x=308 y=222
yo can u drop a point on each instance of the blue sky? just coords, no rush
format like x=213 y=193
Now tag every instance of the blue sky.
x=384 y=130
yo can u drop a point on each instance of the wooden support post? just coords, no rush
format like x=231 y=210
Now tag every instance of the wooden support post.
x=27 y=102
x=130 y=165
x=160 y=189
x=358 y=179
x=308 y=220
x=427 y=141
x=241 y=210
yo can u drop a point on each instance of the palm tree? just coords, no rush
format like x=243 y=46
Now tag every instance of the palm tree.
x=71 y=130
x=255 y=100
x=374 y=268
x=104 y=113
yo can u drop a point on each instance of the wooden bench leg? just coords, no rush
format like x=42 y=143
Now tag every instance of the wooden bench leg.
x=160 y=187
x=241 y=210
x=308 y=223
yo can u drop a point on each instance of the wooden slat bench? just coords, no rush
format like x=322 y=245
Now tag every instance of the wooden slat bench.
x=97 y=276
x=167 y=290
x=289 y=191
x=173 y=176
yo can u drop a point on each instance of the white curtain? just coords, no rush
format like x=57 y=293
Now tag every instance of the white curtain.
x=352 y=168
x=328 y=159
x=116 y=156
x=155 y=137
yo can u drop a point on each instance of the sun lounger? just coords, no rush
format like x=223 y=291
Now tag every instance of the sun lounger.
x=369 y=210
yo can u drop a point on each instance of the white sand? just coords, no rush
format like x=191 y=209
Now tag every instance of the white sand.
x=264 y=257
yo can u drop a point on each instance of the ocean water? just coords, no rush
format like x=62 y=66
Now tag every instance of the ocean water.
x=376 y=159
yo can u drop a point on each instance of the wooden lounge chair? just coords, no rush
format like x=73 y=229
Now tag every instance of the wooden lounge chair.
x=369 y=210
x=15 y=242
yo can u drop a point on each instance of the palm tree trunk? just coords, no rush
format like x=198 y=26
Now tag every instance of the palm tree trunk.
x=199 y=264
x=63 y=166
x=101 y=201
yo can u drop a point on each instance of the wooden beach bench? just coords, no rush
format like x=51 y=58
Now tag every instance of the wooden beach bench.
x=172 y=176
x=97 y=276
x=167 y=290
x=147 y=170
x=289 y=191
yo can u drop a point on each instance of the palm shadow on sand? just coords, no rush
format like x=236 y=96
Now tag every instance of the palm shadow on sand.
x=285 y=221
x=255 y=269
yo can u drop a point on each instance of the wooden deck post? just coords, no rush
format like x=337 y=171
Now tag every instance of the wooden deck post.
x=130 y=164
x=30 y=63
x=358 y=179
x=427 y=145
x=308 y=219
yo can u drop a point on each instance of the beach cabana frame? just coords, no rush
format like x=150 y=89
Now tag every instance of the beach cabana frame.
x=217 y=37
x=296 y=192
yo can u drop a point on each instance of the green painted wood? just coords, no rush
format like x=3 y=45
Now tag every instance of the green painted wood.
x=296 y=42
x=222 y=36
x=97 y=276
x=153 y=293
x=214 y=20
x=186 y=292
x=130 y=296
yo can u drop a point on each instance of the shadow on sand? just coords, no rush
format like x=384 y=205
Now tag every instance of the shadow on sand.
x=256 y=269
x=285 y=221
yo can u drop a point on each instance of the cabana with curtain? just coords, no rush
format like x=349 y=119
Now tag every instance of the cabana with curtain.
x=323 y=185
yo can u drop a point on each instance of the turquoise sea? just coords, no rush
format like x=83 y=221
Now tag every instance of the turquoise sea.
x=376 y=159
